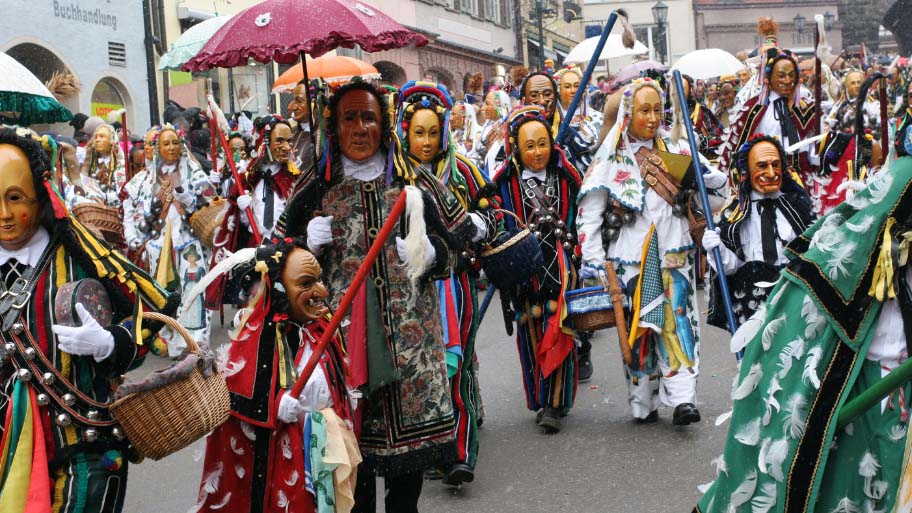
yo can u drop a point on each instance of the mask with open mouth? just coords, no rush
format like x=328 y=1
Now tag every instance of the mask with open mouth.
x=764 y=161
x=303 y=287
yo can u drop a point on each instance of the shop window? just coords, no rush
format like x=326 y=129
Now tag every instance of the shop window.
x=107 y=97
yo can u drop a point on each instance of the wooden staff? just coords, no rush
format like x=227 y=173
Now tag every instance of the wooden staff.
x=126 y=145
x=617 y=300
x=884 y=124
x=385 y=231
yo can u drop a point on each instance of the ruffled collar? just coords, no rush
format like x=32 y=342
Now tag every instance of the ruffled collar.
x=365 y=170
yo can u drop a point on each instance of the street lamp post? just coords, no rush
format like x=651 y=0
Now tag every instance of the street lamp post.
x=539 y=12
x=660 y=16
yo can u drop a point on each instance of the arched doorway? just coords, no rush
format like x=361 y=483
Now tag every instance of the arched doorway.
x=441 y=76
x=43 y=63
x=390 y=73
x=108 y=95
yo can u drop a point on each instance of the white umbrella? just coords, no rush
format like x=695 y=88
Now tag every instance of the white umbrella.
x=708 y=63
x=24 y=100
x=614 y=47
x=190 y=43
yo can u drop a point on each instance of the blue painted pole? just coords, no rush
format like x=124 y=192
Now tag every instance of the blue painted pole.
x=704 y=198
x=584 y=81
x=486 y=302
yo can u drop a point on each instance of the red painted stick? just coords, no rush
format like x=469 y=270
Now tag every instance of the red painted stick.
x=349 y=297
x=126 y=145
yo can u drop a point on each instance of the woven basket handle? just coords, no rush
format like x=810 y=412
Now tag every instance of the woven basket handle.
x=192 y=346
x=518 y=220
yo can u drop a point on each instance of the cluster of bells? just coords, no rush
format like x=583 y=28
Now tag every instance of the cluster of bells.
x=615 y=221
x=552 y=221
x=89 y=434
x=152 y=222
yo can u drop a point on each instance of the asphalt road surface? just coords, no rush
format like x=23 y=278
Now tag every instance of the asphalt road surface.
x=601 y=462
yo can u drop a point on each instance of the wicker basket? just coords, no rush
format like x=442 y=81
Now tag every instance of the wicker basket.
x=165 y=420
x=207 y=219
x=514 y=256
x=103 y=221
x=591 y=308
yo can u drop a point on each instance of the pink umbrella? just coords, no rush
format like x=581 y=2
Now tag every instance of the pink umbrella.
x=632 y=71
x=283 y=30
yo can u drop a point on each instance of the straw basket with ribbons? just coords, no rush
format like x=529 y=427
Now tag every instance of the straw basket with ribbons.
x=208 y=219
x=172 y=408
x=104 y=221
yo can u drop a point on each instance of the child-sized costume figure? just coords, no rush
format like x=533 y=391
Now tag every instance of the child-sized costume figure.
x=836 y=322
x=539 y=185
x=269 y=455
x=630 y=196
x=770 y=210
x=62 y=449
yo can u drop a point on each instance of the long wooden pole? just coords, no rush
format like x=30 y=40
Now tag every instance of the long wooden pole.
x=617 y=300
x=385 y=231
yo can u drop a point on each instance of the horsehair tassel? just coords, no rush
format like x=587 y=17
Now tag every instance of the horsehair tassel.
x=372 y=254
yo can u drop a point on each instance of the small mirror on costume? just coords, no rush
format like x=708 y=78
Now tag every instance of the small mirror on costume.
x=91 y=294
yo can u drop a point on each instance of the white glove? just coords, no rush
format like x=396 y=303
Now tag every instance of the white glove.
x=711 y=240
x=290 y=410
x=135 y=244
x=481 y=228
x=215 y=177
x=184 y=198
x=88 y=339
x=714 y=179
x=244 y=201
x=429 y=255
x=319 y=232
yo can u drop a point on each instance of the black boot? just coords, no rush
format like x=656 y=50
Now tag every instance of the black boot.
x=459 y=473
x=550 y=420
x=584 y=362
x=684 y=414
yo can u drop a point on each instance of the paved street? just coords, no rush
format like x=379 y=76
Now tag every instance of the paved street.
x=600 y=463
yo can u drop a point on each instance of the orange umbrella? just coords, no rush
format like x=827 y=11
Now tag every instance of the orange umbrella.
x=331 y=68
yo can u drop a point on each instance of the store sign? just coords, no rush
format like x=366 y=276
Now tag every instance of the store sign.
x=103 y=109
x=73 y=11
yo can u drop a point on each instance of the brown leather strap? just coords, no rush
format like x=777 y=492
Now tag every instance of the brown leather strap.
x=652 y=169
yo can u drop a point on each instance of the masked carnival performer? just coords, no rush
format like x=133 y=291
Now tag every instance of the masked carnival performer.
x=836 y=322
x=271 y=176
x=102 y=174
x=298 y=111
x=728 y=88
x=768 y=212
x=423 y=112
x=630 y=191
x=539 y=185
x=778 y=111
x=706 y=125
x=586 y=123
x=257 y=460
x=62 y=448
x=850 y=150
x=157 y=206
x=407 y=416
x=496 y=106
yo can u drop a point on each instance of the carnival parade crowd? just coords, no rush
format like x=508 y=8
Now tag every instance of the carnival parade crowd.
x=583 y=217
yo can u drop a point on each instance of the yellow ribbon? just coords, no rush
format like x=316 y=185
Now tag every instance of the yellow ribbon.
x=882 y=284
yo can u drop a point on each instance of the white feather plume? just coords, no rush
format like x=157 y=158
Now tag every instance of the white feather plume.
x=212 y=480
x=232 y=368
x=293 y=478
x=724 y=417
x=749 y=433
x=282 y=499
x=248 y=431
x=846 y=506
x=704 y=487
x=775 y=457
x=770 y=403
x=876 y=490
x=849 y=429
x=216 y=112
x=415 y=248
x=748 y=330
x=761 y=454
x=794 y=422
x=238 y=257
x=772 y=329
x=240 y=471
x=286 y=446
x=775 y=297
x=225 y=500
x=861 y=226
x=898 y=432
x=235 y=448
x=880 y=186
x=869 y=465
x=794 y=350
x=114 y=115
x=749 y=383
x=719 y=466
x=764 y=501
x=810 y=367
x=744 y=491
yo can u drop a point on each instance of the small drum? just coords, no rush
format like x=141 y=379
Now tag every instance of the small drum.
x=591 y=308
x=88 y=292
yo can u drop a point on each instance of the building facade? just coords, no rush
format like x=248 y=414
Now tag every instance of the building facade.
x=100 y=42
x=666 y=41
x=732 y=24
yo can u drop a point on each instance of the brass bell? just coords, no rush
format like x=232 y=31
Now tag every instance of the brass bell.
x=614 y=221
x=90 y=435
x=63 y=420
x=30 y=353
x=69 y=399
x=92 y=415
x=560 y=223
x=613 y=233
x=538 y=234
x=549 y=218
x=558 y=232
x=552 y=210
x=532 y=227
x=568 y=246
x=47 y=378
x=628 y=218
x=118 y=433
x=42 y=399
x=9 y=348
x=17 y=328
x=24 y=374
